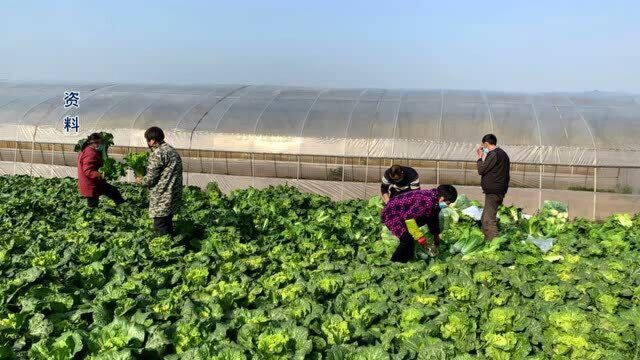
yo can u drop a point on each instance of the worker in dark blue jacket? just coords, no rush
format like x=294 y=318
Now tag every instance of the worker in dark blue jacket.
x=397 y=180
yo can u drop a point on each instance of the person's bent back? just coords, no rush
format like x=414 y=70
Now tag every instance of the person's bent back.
x=406 y=213
x=398 y=180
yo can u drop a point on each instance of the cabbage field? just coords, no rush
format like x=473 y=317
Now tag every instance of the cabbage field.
x=277 y=274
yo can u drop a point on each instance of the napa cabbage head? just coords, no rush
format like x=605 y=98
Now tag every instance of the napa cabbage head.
x=461 y=329
x=336 y=330
x=551 y=293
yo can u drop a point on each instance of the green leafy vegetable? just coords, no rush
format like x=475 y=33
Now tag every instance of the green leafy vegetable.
x=137 y=162
x=111 y=169
x=278 y=274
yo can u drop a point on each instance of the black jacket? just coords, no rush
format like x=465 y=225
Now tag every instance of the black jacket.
x=494 y=170
x=410 y=181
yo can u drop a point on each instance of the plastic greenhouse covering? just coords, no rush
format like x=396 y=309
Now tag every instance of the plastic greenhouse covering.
x=591 y=130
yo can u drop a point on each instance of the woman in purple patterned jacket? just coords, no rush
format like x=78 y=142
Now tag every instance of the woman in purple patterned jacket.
x=405 y=213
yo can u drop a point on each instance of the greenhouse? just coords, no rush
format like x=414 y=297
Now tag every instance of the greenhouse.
x=579 y=148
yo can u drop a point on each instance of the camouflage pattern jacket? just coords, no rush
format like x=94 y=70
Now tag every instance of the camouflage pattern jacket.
x=164 y=180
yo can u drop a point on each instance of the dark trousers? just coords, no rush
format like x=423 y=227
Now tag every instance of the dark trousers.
x=489 y=222
x=109 y=191
x=163 y=225
x=405 y=250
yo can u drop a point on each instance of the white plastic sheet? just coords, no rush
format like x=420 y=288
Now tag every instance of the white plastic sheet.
x=544 y=244
x=593 y=129
x=474 y=212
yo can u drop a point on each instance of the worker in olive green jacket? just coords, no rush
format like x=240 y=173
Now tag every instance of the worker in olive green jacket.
x=164 y=180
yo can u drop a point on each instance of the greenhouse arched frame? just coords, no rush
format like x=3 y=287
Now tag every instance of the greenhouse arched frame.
x=579 y=148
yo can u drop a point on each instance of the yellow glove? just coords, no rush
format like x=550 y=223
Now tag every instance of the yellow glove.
x=414 y=229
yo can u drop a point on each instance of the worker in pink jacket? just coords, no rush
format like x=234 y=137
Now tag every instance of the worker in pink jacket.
x=404 y=214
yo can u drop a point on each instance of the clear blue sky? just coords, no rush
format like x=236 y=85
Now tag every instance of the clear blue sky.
x=501 y=45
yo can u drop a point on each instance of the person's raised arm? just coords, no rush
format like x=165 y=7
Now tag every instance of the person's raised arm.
x=487 y=164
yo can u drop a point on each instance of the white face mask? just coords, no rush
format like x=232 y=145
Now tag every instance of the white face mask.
x=485 y=150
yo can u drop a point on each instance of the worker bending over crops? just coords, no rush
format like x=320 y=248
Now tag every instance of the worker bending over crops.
x=397 y=180
x=406 y=213
x=91 y=183
x=164 y=180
